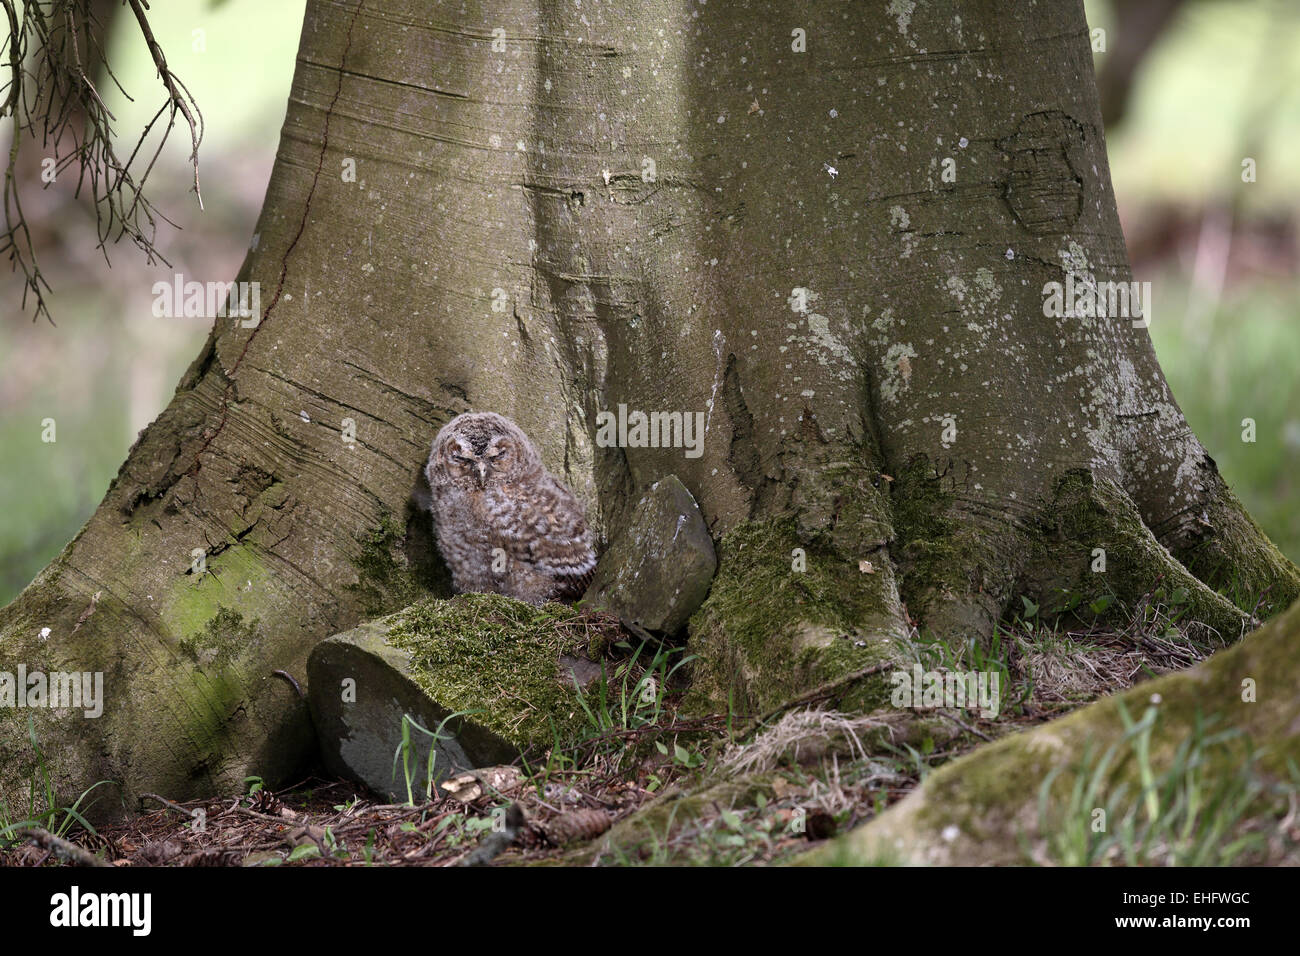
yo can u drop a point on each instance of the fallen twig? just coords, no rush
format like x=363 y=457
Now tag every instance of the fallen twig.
x=167 y=803
x=69 y=851
x=966 y=727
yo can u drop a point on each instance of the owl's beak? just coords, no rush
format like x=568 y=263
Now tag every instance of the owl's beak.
x=482 y=473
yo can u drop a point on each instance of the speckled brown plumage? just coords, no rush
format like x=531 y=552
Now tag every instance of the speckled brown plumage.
x=504 y=524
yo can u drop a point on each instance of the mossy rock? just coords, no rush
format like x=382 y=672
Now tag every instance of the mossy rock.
x=984 y=808
x=657 y=572
x=496 y=674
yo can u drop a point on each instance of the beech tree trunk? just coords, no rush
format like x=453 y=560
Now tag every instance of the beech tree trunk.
x=739 y=209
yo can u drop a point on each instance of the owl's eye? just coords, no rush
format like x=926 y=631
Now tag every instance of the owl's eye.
x=497 y=457
x=460 y=459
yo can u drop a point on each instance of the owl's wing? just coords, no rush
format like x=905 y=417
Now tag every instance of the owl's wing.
x=551 y=534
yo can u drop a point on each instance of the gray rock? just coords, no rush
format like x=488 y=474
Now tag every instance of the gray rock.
x=657 y=572
x=506 y=668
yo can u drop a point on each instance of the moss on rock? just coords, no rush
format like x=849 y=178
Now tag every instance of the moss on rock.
x=500 y=663
x=500 y=655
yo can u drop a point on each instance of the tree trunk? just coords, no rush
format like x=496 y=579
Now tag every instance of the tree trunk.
x=558 y=210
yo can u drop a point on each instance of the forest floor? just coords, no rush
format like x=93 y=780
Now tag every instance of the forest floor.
x=811 y=774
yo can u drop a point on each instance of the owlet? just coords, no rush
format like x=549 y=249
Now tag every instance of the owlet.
x=504 y=523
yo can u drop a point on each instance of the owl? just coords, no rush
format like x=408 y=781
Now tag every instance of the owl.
x=504 y=523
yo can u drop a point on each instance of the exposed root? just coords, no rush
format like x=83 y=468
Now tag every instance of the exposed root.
x=785 y=615
x=1230 y=552
x=1184 y=744
x=54 y=844
x=1096 y=546
x=958 y=568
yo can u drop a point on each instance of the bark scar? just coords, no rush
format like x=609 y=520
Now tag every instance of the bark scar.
x=1044 y=188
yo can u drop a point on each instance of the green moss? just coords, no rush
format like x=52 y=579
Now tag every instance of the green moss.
x=838 y=506
x=970 y=797
x=498 y=656
x=769 y=632
x=210 y=701
x=985 y=795
x=920 y=503
x=844 y=854
x=1236 y=558
x=1091 y=513
x=956 y=574
x=207 y=706
x=235 y=576
x=386 y=580
x=222 y=639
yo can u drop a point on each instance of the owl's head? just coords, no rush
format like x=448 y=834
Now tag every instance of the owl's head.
x=479 y=449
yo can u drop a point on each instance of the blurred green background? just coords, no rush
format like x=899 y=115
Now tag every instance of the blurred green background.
x=1190 y=87
x=109 y=366
x=1219 y=83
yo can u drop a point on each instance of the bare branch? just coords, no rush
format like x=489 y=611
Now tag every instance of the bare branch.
x=51 y=97
x=181 y=100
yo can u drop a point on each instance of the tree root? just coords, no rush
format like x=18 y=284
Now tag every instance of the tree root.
x=1012 y=799
x=69 y=851
x=1096 y=543
x=1229 y=551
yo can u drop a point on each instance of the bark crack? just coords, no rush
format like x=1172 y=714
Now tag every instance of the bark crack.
x=284 y=260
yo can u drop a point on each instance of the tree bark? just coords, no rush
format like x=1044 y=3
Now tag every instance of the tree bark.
x=561 y=209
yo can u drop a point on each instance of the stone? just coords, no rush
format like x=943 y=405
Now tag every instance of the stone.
x=495 y=677
x=657 y=571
